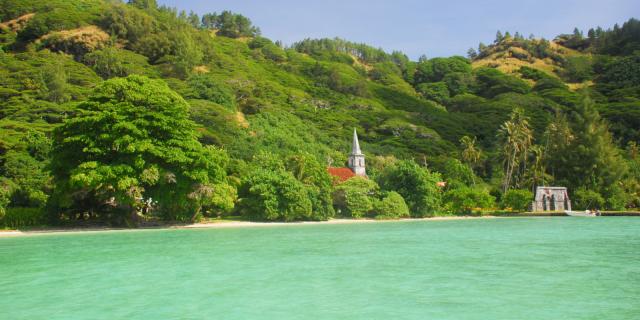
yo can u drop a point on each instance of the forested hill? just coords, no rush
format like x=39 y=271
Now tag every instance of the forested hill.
x=513 y=114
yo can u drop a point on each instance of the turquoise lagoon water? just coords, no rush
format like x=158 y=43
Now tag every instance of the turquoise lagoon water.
x=514 y=268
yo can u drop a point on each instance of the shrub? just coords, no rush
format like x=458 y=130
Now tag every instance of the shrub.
x=622 y=72
x=29 y=179
x=259 y=42
x=112 y=62
x=273 y=52
x=273 y=196
x=436 y=91
x=457 y=174
x=578 y=69
x=392 y=206
x=19 y=217
x=5 y=193
x=587 y=199
x=417 y=185
x=317 y=181
x=207 y=88
x=517 y=200
x=549 y=82
x=531 y=73
x=464 y=200
x=296 y=189
x=435 y=69
x=219 y=202
x=492 y=82
x=616 y=198
x=76 y=42
x=464 y=102
x=59 y=18
x=459 y=82
x=355 y=197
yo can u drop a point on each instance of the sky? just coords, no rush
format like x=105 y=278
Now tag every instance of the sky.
x=434 y=28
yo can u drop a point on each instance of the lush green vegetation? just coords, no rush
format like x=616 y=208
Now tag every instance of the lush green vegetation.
x=132 y=148
x=118 y=113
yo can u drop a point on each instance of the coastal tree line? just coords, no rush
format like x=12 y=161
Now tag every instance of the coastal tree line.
x=161 y=114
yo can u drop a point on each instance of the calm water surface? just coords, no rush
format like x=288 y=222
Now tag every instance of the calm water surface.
x=515 y=268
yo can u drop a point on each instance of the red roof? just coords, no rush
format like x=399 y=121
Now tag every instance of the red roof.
x=343 y=174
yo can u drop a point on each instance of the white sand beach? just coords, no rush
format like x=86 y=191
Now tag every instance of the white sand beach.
x=224 y=224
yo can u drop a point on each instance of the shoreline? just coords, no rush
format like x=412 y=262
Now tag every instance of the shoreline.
x=222 y=225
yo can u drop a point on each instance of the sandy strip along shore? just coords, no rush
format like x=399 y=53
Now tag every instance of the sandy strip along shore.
x=221 y=224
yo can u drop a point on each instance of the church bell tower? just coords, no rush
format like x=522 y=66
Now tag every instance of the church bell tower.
x=356 y=158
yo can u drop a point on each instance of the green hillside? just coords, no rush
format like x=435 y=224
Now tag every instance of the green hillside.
x=270 y=112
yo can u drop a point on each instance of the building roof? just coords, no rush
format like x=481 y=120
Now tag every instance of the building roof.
x=343 y=174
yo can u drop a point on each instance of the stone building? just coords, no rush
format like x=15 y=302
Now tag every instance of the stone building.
x=551 y=199
x=356 y=163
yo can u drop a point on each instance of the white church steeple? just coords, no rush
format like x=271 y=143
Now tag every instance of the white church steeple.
x=356 y=158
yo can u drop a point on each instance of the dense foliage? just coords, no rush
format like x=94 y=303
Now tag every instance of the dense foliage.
x=417 y=185
x=356 y=197
x=466 y=200
x=119 y=112
x=276 y=190
x=132 y=145
x=391 y=206
x=516 y=200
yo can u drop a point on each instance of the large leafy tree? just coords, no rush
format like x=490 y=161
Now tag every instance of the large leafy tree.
x=591 y=160
x=437 y=68
x=318 y=184
x=492 y=82
x=417 y=185
x=27 y=182
x=356 y=197
x=132 y=142
x=5 y=191
x=391 y=206
x=230 y=24
x=632 y=183
x=558 y=138
x=269 y=192
x=465 y=200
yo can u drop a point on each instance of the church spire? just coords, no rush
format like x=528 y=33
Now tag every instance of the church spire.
x=355 y=148
x=356 y=158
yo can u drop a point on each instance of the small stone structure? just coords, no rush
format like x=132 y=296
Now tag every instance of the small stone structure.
x=551 y=199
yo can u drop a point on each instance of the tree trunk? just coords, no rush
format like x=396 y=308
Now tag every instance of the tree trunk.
x=195 y=214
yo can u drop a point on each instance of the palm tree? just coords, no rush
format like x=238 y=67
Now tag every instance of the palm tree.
x=517 y=138
x=537 y=173
x=470 y=153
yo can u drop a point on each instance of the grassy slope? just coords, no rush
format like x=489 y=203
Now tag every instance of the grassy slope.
x=288 y=96
x=509 y=57
x=295 y=110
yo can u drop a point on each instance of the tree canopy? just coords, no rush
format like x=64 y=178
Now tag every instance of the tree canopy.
x=132 y=142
